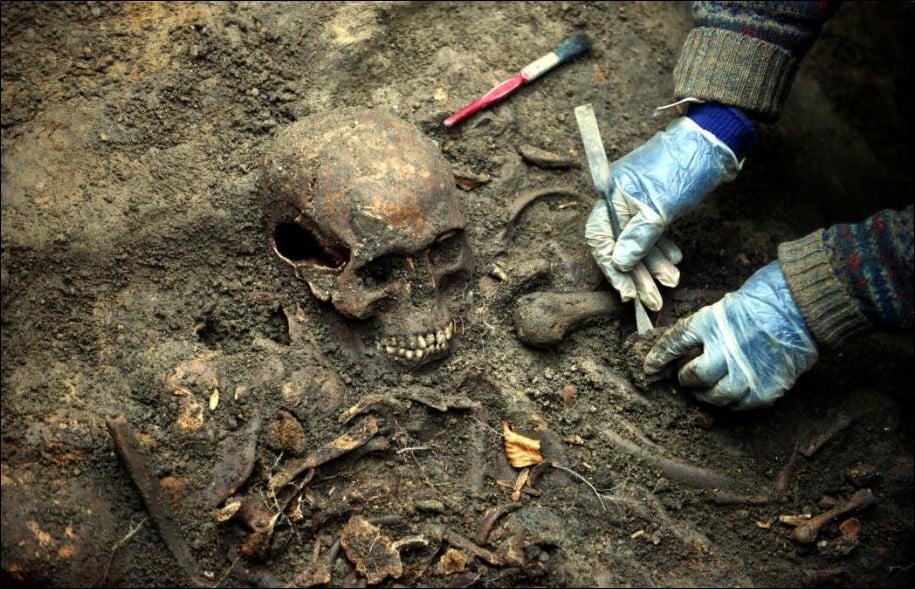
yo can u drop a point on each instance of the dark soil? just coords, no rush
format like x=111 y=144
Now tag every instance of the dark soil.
x=137 y=281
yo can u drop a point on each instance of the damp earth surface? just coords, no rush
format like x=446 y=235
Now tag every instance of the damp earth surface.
x=182 y=405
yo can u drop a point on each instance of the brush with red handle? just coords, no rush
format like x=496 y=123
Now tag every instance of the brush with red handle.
x=567 y=50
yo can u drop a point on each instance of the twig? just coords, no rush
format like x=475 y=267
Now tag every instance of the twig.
x=522 y=479
x=332 y=554
x=487 y=426
x=525 y=490
x=228 y=571
x=130 y=534
x=413 y=449
x=600 y=498
x=730 y=498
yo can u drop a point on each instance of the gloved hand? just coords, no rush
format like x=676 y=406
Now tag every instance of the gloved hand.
x=754 y=342
x=653 y=186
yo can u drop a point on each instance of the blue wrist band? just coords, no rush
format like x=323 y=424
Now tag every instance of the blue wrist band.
x=727 y=123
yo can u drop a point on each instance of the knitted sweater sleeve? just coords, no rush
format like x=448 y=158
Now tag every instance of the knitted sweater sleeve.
x=745 y=54
x=853 y=276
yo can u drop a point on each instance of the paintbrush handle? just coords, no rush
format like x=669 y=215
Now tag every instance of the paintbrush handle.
x=500 y=92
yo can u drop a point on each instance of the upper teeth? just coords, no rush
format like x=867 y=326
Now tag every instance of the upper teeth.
x=419 y=346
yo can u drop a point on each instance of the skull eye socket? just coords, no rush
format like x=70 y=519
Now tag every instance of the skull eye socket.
x=382 y=270
x=297 y=245
x=447 y=248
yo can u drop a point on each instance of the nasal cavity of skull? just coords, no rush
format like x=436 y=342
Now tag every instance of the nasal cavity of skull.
x=297 y=245
x=383 y=270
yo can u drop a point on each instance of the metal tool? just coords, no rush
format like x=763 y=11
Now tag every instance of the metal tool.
x=600 y=174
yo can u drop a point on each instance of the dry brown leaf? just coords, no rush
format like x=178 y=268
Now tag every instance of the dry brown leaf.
x=523 y=477
x=520 y=450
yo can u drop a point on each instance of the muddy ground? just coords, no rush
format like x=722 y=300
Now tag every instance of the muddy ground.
x=137 y=281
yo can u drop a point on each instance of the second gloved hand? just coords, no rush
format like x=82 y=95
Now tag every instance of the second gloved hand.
x=754 y=343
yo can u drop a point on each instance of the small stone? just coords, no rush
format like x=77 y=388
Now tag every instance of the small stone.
x=863 y=475
x=545 y=159
x=467 y=180
x=429 y=505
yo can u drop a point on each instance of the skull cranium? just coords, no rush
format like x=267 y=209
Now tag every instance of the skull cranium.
x=361 y=205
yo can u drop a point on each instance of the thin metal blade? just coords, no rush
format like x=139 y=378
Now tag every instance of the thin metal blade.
x=600 y=175
x=594 y=148
x=642 y=322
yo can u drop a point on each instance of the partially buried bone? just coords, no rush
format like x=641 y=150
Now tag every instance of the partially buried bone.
x=544 y=318
x=807 y=532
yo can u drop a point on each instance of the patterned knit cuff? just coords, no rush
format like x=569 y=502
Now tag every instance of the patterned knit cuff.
x=723 y=66
x=828 y=309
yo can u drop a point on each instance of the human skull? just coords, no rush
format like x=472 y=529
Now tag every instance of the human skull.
x=361 y=205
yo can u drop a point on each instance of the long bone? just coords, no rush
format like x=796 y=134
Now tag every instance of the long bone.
x=807 y=532
x=544 y=318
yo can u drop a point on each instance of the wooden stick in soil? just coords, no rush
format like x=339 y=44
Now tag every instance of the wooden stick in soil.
x=128 y=448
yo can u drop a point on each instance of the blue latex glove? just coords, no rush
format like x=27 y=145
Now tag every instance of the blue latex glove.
x=754 y=342
x=653 y=186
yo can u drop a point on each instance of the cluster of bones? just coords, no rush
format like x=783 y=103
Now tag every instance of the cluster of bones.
x=362 y=207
